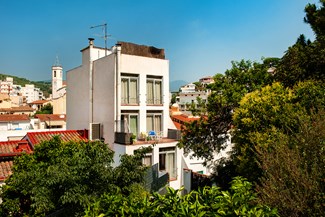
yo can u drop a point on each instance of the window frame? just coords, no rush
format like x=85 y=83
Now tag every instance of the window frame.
x=128 y=114
x=165 y=151
x=155 y=100
x=154 y=114
x=128 y=99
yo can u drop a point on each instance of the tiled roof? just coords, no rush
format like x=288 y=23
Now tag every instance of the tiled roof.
x=38 y=102
x=14 y=148
x=66 y=135
x=18 y=109
x=52 y=117
x=10 y=117
x=5 y=169
x=179 y=120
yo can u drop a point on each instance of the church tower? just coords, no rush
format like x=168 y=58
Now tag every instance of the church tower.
x=57 y=77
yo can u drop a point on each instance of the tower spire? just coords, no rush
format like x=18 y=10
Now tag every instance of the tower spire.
x=57 y=62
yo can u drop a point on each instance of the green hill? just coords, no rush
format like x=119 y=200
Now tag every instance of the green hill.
x=44 y=86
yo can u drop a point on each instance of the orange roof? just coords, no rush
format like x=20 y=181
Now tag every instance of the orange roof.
x=66 y=135
x=5 y=169
x=10 y=117
x=38 y=102
x=14 y=148
x=179 y=120
x=22 y=108
x=52 y=117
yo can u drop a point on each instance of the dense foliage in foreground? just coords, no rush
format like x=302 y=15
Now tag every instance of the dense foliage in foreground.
x=240 y=200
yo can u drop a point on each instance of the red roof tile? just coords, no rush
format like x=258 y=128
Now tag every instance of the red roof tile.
x=52 y=117
x=10 y=117
x=38 y=102
x=66 y=135
x=5 y=169
x=14 y=148
x=179 y=120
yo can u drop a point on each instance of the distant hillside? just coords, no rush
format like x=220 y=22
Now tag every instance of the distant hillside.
x=175 y=85
x=44 y=86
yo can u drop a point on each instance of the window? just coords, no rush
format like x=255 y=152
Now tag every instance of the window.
x=167 y=161
x=54 y=74
x=129 y=122
x=129 y=90
x=154 y=121
x=154 y=91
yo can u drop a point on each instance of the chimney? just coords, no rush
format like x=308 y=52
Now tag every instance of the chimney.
x=91 y=41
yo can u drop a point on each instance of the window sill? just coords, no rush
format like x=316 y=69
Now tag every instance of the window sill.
x=155 y=104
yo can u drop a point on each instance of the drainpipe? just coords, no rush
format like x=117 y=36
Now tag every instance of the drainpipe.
x=91 y=88
x=117 y=89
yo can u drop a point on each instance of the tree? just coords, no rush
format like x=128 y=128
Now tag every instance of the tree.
x=208 y=136
x=209 y=201
x=293 y=179
x=46 y=109
x=64 y=178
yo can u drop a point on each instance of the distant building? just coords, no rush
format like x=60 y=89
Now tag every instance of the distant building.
x=58 y=97
x=188 y=96
x=31 y=93
x=206 y=80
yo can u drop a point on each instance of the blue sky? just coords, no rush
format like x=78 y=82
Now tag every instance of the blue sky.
x=200 y=37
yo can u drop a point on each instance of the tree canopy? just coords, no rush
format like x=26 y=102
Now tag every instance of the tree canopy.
x=64 y=178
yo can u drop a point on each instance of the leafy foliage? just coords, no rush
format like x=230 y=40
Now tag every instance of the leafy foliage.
x=209 y=201
x=293 y=179
x=46 y=109
x=65 y=178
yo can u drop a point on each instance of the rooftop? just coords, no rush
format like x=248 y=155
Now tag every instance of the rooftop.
x=10 y=117
x=66 y=135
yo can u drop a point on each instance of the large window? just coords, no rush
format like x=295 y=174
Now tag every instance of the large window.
x=154 y=91
x=167 y=161
x=129 y=87
x=129 y=122
x=154 y=121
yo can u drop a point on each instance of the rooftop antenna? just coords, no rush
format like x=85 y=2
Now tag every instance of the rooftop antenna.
x=104 y=26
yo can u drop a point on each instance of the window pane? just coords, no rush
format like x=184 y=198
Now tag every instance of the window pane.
x=158 y=98
x=150 y=123
x=133 y=91
x=157 y=122
x=134 y=124
x=124 y=90
x=162 y=161
x=170 y=165
x=150 y=93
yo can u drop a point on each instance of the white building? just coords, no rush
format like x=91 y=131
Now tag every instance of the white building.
x=6 y=86
x=126 y=92
x=188 y=95
x=31 y=93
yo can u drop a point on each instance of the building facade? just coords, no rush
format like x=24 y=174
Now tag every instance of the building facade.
x=124 y=93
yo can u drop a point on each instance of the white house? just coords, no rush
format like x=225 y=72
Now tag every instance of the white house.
x=124 y=92
x=31 y=93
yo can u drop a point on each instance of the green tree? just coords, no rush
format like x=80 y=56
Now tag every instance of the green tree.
x=46 y=109
x=240 y=200
x=293 y=179
x=64 y=178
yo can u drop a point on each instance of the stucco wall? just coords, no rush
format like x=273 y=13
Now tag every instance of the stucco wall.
x=78 y=98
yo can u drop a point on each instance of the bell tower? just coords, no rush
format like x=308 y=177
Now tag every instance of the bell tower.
x=56 y=78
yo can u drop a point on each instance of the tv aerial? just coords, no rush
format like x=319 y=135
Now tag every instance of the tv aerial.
x=105 y=36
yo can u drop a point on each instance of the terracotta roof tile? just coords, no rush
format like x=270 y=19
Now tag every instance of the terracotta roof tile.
x=66 y=135
x=10 y=117
x=52 y=117
x=38 y=102
x=14 y=148
x=5 y=169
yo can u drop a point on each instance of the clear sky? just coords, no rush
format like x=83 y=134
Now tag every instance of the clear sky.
x=200 y=37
